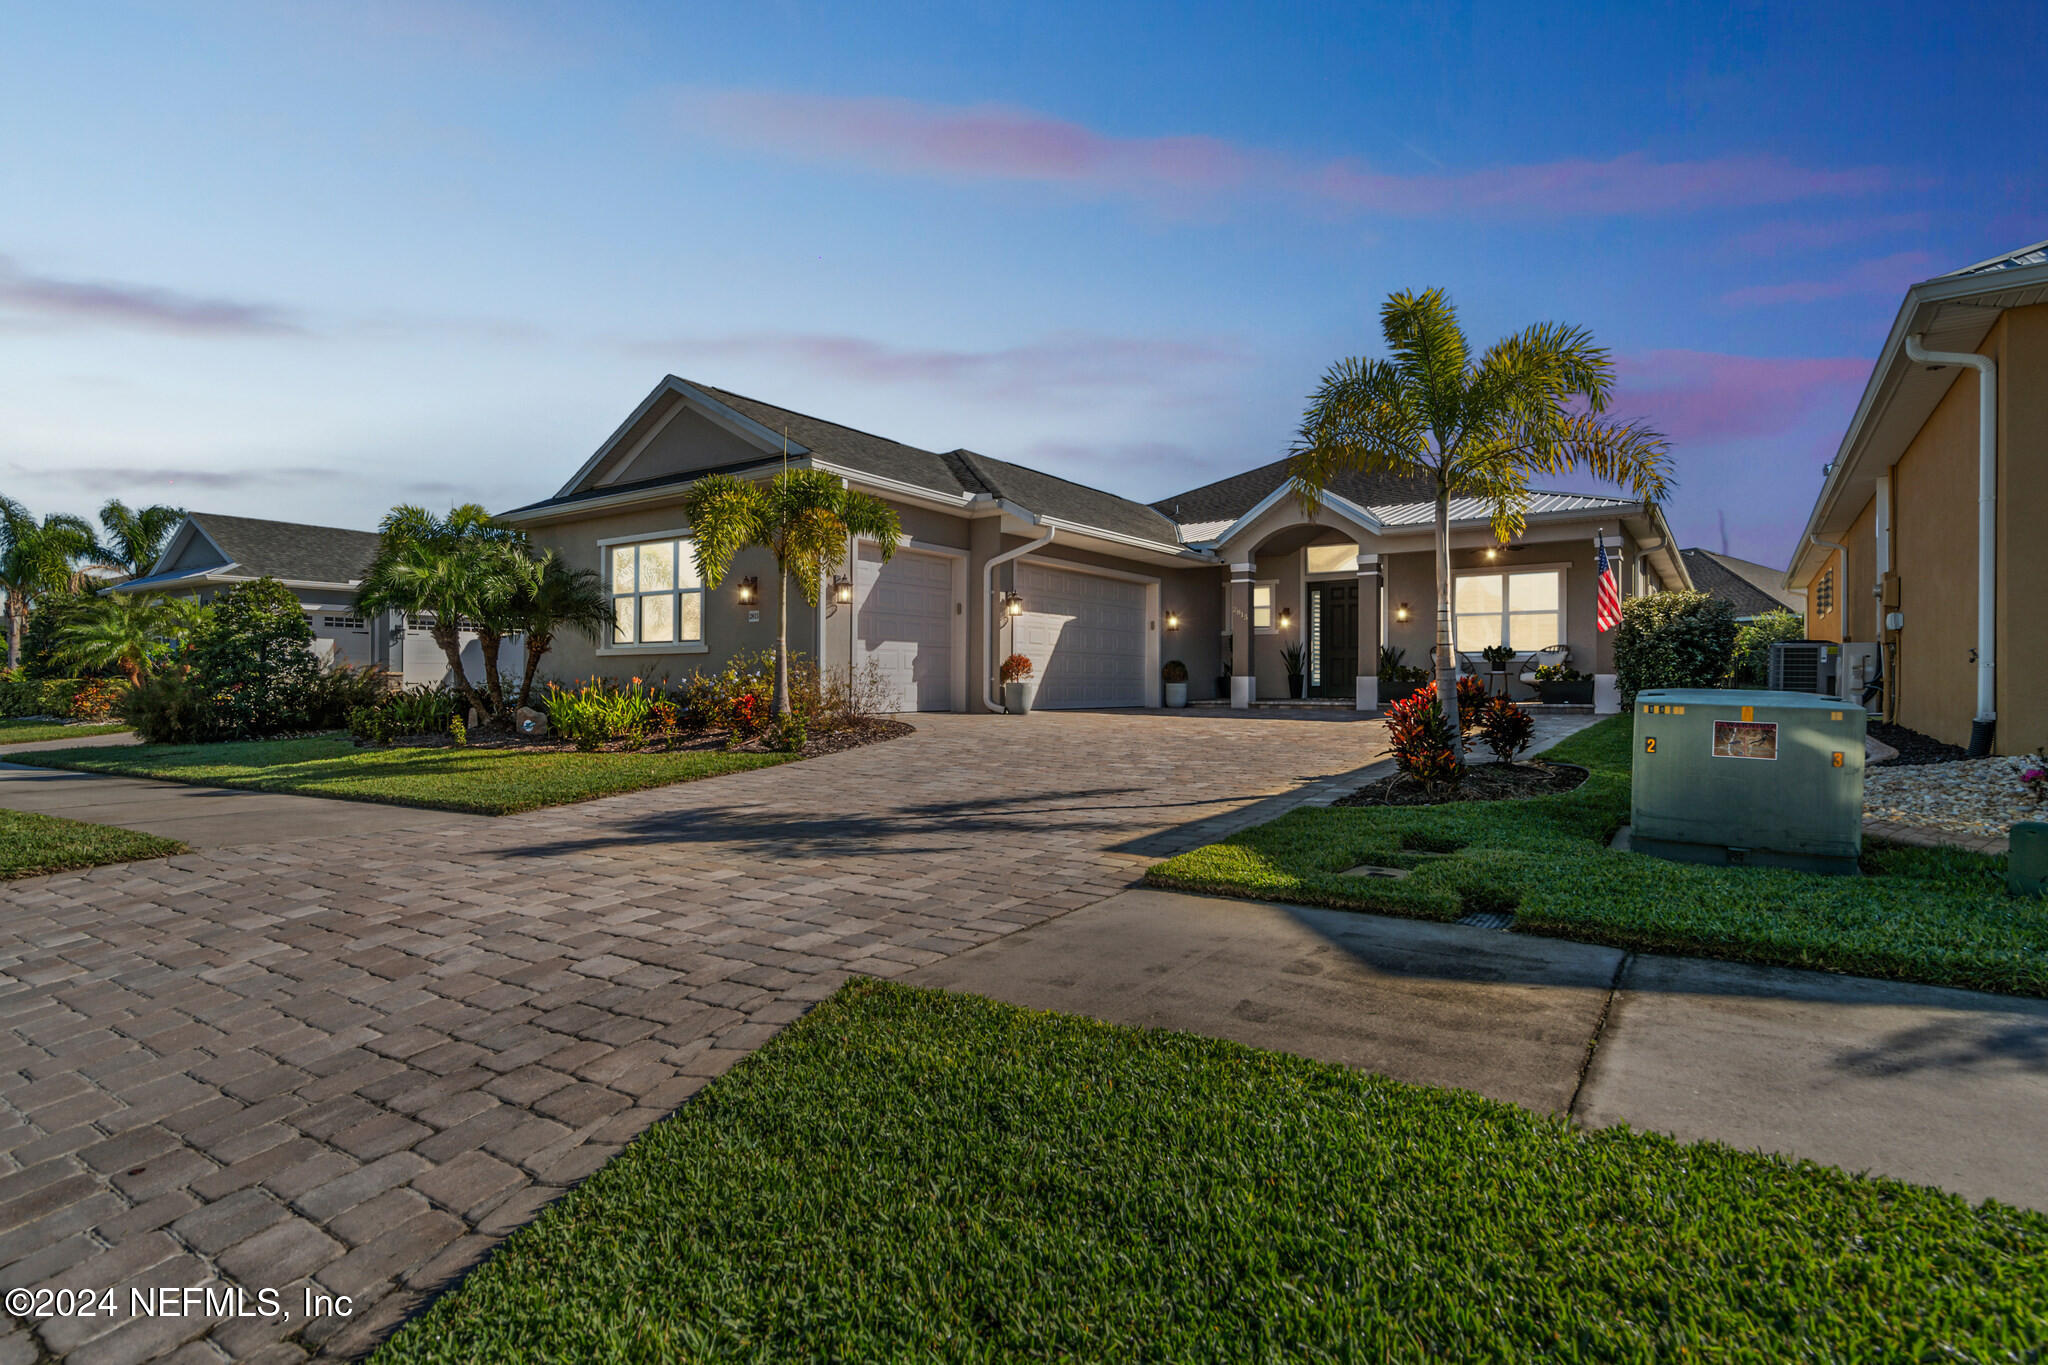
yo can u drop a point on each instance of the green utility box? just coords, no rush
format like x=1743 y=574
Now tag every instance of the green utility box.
x=1769 y=779
x=2026 y=864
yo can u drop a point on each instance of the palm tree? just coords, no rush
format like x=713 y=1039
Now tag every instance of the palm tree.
x=1533 y=404
x=37 y=559
x=801 y=516
x=551 y=596
x=129 y=632
x=464 y=570
x=135 y=537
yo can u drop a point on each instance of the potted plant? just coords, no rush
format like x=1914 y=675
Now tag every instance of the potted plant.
x=1562 y=685
x=1294 y=659
x=1498 y=657
x=1175 y=677
x=1398 y=680
x=1018 y=687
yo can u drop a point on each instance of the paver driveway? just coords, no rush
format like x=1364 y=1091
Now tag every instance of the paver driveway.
x=357 y=1061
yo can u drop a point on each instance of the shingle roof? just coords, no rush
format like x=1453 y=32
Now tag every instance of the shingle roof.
x=1752 y=589
x=1228 y=499
x=1051 y=496
x=290 y=549
x=850 y=446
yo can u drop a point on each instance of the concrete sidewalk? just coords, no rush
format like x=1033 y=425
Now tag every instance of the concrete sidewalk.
x=207 y=817
x=1941 y=1087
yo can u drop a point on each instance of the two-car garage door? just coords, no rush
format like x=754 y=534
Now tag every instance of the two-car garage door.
x=1085 y=636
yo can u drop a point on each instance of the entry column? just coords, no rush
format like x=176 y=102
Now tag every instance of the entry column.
x=1368 y=632
x=1243 y=686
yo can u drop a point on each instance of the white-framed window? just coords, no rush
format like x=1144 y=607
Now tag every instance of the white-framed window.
x=1521 y=608
x=1262 y=606
x=657 y=597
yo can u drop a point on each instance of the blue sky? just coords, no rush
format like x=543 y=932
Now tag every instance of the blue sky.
x=309 y=261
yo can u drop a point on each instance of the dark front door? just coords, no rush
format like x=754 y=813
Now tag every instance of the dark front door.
x=1333 y=639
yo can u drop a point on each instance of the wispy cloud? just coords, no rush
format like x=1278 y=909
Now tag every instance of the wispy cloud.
x=97 y=477
x=1885 y=275
x=1002 y=143
x=1061 y=366
x=1821 y=234
x=1700 y=397
x=134 y=305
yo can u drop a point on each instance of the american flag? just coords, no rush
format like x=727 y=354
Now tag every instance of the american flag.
x=1609 y=615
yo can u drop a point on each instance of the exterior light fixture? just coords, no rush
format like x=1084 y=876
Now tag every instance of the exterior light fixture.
x=1401 y=612
x=1173 y=620
x=1286 y=618
x=1013 y=604
x=1492 y=553
x=750 y=591
x=842 y=590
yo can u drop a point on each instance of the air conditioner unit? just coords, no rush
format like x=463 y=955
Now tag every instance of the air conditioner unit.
x=1805 y=666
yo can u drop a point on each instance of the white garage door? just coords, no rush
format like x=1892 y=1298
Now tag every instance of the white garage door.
x=904 y=622
x=1085 y=635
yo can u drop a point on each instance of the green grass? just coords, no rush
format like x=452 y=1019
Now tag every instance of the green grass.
x=910 y=1175
x=31 y=845
x=1933 y=915
x=19 y=730
x=481 y=781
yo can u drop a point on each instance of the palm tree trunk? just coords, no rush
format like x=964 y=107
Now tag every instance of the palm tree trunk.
x=782 y=649
x=536 y=647
x=450 y=641
x=13 y=633
x=487 y=642
x=1446 y=656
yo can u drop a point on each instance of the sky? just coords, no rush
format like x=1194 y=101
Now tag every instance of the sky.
x=309 y=261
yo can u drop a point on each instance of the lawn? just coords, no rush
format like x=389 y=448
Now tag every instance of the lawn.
x=481 y=781
x=31 y=845
x=911 y=1175
x=1932 y=915
x=21 y=730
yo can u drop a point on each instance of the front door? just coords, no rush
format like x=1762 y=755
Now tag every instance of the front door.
x=1332 y=639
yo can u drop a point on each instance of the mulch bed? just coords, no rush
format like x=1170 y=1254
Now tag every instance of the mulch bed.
x=1914 y=748
x=853 y=737
x=1483 y=782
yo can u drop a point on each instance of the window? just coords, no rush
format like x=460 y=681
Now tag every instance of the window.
x=1524 y=610
x=341 y=622
x=1333 y=558
x=1824 y=594
x=657 y=598
x=1262 y=606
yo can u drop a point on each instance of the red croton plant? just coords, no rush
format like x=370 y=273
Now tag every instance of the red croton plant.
x=1016 y=668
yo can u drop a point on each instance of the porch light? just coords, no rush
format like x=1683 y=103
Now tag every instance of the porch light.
x=1401 y=612
x=1492 y=553
x=1013 y=604
x=750 y=591
x=1173 y=620
x=842 y=590
x=1286 y=618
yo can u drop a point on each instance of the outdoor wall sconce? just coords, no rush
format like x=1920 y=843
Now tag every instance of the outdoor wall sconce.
x=750 y=591
x=1286 y=618
x=1013 y=604
x=1173 y=620
x=842 y=590
x=1401 y=612
x=1492 y=553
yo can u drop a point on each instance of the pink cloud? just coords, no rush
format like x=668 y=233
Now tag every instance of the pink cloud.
x=998 y=142
x=134 y=305
x=1885 y=275
x=1707 y=396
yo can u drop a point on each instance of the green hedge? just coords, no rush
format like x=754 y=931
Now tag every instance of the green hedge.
x=78 y=698
x=1673 y=639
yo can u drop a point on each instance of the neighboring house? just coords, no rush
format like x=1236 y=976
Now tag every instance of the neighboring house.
x=1930 y=534
x=1221 y=577
x=1751 y=588
x=322 y=565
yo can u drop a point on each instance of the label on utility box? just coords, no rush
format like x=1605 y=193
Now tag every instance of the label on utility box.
x=1745 y=739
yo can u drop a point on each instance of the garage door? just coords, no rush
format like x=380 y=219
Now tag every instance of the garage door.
x=904 y=622
x=1085 y=635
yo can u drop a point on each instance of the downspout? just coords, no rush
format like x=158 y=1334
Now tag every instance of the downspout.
x=1986 y=719
x=1643 y=551
x=988 y=596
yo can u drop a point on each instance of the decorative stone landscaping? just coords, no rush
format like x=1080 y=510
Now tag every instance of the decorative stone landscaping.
x=1977 y=796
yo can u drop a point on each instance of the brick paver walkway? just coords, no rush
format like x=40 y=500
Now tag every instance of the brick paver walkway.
x=353 y=1063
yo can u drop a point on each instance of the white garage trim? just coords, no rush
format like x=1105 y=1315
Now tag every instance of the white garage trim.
x=1149 y=685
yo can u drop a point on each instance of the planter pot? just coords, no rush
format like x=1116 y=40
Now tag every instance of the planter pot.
x=1497 y=682
x=1565 y=693
x=1176 y=694
x=1297 y=685
x=1399 y=691
x=1017 y=697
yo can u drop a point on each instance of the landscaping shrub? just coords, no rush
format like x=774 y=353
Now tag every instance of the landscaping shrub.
x=1472 y=699
x=1750 y=665
x=1420 y=740
x=76 y=698
x=253 y=664
x=1505 y=728
x=740 y=697
x=1173 y=671
x=788 y=734
x=1016 y=668
x=599 y=712
x=418 y=710
x=1672 y=639
x=42 y=637
x=166 y=709
x=853 y=697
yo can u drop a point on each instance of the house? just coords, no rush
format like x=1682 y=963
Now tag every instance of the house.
x=1751 y=588
x=1098 y=590
x=1927 y=535
x=322 y=565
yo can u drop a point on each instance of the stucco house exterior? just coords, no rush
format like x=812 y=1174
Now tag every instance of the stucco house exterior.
x=1105 y=589
x=323 y=566
x=1930 y=534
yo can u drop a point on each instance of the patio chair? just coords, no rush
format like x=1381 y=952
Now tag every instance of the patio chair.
x=1556 y=654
